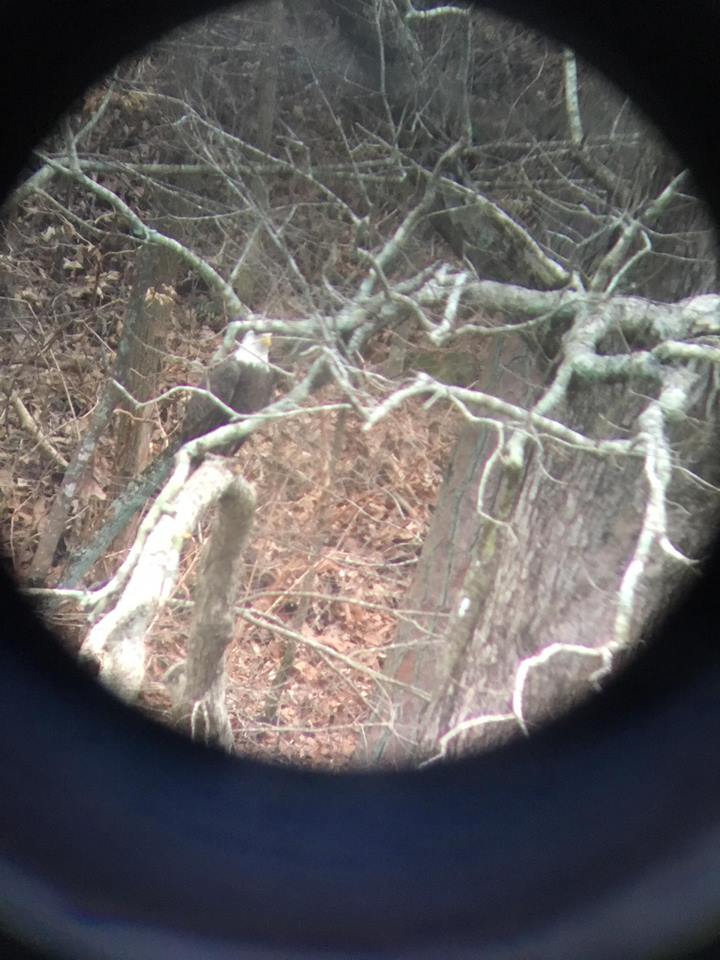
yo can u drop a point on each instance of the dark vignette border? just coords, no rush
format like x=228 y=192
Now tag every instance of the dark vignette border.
x=600 y=838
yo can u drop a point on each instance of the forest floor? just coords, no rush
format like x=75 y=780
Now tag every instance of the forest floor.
x=340 y=522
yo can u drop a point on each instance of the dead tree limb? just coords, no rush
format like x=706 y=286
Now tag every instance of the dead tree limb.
x=117 y=642
x=199 y=706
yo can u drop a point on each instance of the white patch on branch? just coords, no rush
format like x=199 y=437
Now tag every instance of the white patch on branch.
x=440 y=334
x=445 y=11
x=552 y=650
x=673 y=401
x=572 y=99
x=464 y=606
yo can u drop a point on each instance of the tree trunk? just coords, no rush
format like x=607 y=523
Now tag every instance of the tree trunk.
x=250 y=273
x=539 y=580
x=199 y=706
x=451 y=541
x=146 y=322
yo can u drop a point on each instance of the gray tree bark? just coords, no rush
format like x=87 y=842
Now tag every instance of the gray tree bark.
x=539 y=581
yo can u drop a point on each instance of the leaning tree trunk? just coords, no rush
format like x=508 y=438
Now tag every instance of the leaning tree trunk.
x=419 y=643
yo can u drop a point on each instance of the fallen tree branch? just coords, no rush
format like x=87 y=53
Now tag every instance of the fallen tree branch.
x=116 y=643
x=199 y=706
x=27 y=422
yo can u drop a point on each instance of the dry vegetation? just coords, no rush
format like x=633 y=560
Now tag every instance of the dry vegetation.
x=506 y=251
x=328 y=563
x=340 y=522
